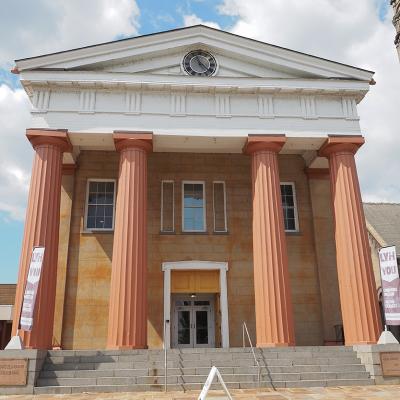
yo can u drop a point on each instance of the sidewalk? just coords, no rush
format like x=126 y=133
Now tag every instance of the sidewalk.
x=334 y=393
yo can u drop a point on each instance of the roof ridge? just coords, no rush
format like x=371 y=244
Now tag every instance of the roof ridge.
x=202 y=26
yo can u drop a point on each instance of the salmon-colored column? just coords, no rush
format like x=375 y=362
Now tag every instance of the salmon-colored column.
x=41 y=229
x=359 y=303
x=127 y=325
x=273 y=304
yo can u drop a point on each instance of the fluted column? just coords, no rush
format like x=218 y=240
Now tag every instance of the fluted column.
x=273 y=304
x=359 y=303
x=127 y=325
x=41 y=229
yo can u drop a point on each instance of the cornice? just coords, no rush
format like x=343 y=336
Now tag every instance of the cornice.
x=171 y=83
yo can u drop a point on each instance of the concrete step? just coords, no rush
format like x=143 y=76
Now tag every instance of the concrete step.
x=314 y=349
x=73 y=371
x=127 y=363
x=183 y=379
x=76 y=373
x=197 y=386
x=107 y=356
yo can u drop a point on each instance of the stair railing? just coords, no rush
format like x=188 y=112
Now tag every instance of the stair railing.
x=165 y=356
x=245 y=332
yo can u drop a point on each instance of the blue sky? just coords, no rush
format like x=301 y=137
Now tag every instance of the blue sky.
x=359 y=34
x=168 y=14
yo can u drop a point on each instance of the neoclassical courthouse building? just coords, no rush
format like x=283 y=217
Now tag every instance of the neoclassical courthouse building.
x=192 y=180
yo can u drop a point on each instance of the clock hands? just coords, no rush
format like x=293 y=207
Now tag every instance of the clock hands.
x=201 y=63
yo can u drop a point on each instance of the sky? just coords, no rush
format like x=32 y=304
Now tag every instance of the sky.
x=357 y=32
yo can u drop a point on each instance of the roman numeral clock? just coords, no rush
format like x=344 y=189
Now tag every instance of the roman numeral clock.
x=199 y=63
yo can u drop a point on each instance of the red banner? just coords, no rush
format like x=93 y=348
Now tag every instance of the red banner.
x=32 y=284
x=390 y=284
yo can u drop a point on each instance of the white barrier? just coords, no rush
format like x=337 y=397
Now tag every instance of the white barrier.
x=214 y=371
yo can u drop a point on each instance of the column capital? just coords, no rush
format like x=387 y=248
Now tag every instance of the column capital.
x=257 y=143
x=68 y=169
x=126 y=139
x=55 y=137
x=341 y=144
x=317 y=173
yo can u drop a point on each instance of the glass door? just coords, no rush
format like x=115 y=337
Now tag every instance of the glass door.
x=193 y=324
x=183 y=328
x=202 y=327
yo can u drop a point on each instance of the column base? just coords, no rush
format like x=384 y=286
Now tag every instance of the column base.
x=127 y=347
x=359 y=343
x=275 y=344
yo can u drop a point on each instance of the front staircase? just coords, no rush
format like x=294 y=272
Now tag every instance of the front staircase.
x=69 y=371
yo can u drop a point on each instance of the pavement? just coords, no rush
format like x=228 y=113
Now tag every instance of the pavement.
x=391 y=392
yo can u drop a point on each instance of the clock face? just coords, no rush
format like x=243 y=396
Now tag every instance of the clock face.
x=199 y=63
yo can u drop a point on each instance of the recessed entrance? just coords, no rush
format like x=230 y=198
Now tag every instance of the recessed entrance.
x=198 y=325
x=193 y=323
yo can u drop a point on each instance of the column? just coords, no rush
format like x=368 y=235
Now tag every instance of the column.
x=67 y=194
x=127 y=325
x=273 y=304
x=42 y=229
x=358 y=298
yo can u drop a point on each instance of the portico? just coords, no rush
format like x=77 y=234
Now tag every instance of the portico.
x=175 y=172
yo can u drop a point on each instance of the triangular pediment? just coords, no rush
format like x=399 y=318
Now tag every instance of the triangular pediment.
x=162 y=54
x=229 y=65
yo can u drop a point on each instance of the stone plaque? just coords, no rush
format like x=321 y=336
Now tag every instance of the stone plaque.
x=13 y=372
x=390 y=363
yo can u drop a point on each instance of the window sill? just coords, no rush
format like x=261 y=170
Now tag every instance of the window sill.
x=96 y=231
x=193 y=233
x=293 y=233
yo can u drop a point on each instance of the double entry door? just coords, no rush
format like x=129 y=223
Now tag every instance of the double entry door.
x=193 y=323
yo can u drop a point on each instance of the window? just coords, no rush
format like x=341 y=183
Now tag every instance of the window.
x=193 y=207
x=167 y=206
x=100 y=202
x=219 y=203
x=289 y=207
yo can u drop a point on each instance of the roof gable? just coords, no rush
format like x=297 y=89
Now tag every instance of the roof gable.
x=385 y=219
x=161 y=53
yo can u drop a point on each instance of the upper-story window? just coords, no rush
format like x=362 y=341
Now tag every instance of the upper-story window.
x=289 y=207
x=100 y=205
x=167 y=206
x=219 y=205
x=193 y=206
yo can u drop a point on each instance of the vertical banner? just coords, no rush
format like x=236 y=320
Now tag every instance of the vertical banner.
x=390 y=284
x=31 y=287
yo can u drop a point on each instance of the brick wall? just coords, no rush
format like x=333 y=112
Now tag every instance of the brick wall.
x=89 y=258
x=7 y=294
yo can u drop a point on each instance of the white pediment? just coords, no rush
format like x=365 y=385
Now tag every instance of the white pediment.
x=228 y=66
x=162 y=53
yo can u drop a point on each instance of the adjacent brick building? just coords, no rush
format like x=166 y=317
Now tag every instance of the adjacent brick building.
x=7 y=296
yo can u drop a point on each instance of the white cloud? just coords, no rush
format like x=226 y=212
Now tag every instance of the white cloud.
x=30 y=28
x=15 y=151
x=351 y=32
x=193 y=19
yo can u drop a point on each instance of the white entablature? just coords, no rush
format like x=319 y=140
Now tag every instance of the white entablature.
x=139 y=84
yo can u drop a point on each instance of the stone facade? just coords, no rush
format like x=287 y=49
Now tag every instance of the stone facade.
x=88 y=275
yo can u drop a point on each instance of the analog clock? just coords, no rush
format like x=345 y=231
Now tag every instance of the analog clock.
x=199 y=63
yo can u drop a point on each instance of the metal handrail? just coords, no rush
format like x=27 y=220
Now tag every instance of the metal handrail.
x=245 y=330
x=165 y=357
